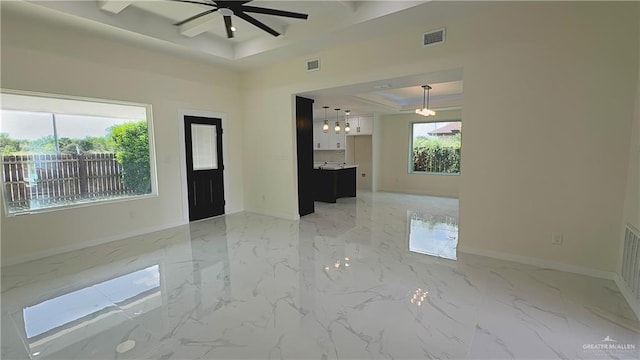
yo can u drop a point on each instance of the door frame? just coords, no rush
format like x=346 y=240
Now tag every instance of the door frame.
x=182 y=112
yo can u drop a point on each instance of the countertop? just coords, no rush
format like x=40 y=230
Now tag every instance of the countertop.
x=334 y=167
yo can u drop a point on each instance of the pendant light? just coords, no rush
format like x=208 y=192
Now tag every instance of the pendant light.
x=347 y=127
x=325 y=126
x=337 y=128
x=425 y=111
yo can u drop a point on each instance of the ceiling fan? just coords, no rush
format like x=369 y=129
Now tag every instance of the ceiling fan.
x=239 y=9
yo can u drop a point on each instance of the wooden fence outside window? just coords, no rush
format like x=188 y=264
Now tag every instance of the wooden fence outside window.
x=49 y=179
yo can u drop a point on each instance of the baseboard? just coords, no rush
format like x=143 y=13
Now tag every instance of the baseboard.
x=417 y=192
x=633 y=302
x=582 y=270
x=609 y=275
x=274 y=214
x=86 y=244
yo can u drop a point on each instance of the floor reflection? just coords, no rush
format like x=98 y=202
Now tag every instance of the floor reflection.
x=435 y=235
x=56 y=323
x=340 y=283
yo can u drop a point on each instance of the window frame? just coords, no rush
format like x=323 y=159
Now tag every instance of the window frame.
x=153 y=174
x=410 y=162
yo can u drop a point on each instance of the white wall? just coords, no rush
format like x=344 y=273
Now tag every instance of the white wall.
x=632 y=195
x=330 y=156
x=558 y=93
x=38 y=55
x=396 y=130
x=547 y=112
x=631 y=214
x=376 y=153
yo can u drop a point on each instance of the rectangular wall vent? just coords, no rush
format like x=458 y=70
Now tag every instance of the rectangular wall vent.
x=313 y=64
x=631 y=260
x=433 y=37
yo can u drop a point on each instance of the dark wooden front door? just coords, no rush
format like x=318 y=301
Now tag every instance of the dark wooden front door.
x=203 y=143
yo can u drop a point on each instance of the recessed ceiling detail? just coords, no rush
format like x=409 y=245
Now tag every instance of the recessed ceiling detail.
x=238 y=41
x=398 y=95
x=239 y=9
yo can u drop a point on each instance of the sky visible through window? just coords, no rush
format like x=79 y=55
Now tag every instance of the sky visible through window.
x=23 y=125
x=423 y=129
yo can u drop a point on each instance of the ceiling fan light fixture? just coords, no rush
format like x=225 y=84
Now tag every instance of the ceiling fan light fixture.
x=233 y=28
x=425 y=111
x=225 y=11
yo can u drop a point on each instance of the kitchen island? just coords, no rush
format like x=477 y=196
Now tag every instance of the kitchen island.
x=334 y=182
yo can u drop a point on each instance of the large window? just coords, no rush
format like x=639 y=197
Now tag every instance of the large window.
x=435 y=147
x=59 y=152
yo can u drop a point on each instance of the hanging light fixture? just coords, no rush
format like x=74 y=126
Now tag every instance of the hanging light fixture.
x=337 y=128
x=425 y=111
x=325 y=126
x=347 y=127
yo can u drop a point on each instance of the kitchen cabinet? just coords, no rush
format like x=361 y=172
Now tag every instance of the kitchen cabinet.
x=361 y=125
x=334 y=183
x=320 y=139
x=329 y=140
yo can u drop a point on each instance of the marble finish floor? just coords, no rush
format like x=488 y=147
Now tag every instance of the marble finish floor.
x=338 y=284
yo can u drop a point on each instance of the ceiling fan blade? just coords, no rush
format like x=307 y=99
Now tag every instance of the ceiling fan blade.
x=230 y=4
x=196 y=16
x=259 y=10
x=195 y=2
x=256 y=23
x=227 y=24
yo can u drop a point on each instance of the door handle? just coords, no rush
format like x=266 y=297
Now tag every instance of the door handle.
x=211 y=189
x=195 y=195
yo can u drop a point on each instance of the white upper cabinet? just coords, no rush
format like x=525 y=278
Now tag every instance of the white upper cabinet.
x=329 y=140
x=361 y=125
x=320 y=139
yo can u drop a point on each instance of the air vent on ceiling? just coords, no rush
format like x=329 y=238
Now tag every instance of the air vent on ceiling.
x=313 y=64
x=433 y=37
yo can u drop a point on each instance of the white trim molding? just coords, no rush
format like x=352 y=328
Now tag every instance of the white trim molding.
x=602 y=274
x=182 y=112
x=628 y=295
x=279 y=215
x=539 y=262
x=86 y=244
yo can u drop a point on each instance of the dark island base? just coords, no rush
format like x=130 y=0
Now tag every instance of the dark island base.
x=334 y=184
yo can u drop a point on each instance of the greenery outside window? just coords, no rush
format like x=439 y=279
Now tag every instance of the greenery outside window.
x=435 y=147
x=59 y=151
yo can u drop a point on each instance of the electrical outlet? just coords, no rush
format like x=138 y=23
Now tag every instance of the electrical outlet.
x=557 y=239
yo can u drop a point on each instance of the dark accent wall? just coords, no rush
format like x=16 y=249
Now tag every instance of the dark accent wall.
x=304 y=136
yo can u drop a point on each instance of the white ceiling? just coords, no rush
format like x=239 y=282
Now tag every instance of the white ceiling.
x=155 y=20
x=331 y=23
x=391 y=96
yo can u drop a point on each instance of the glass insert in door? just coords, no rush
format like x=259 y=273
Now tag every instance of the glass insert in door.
x=204 y=146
